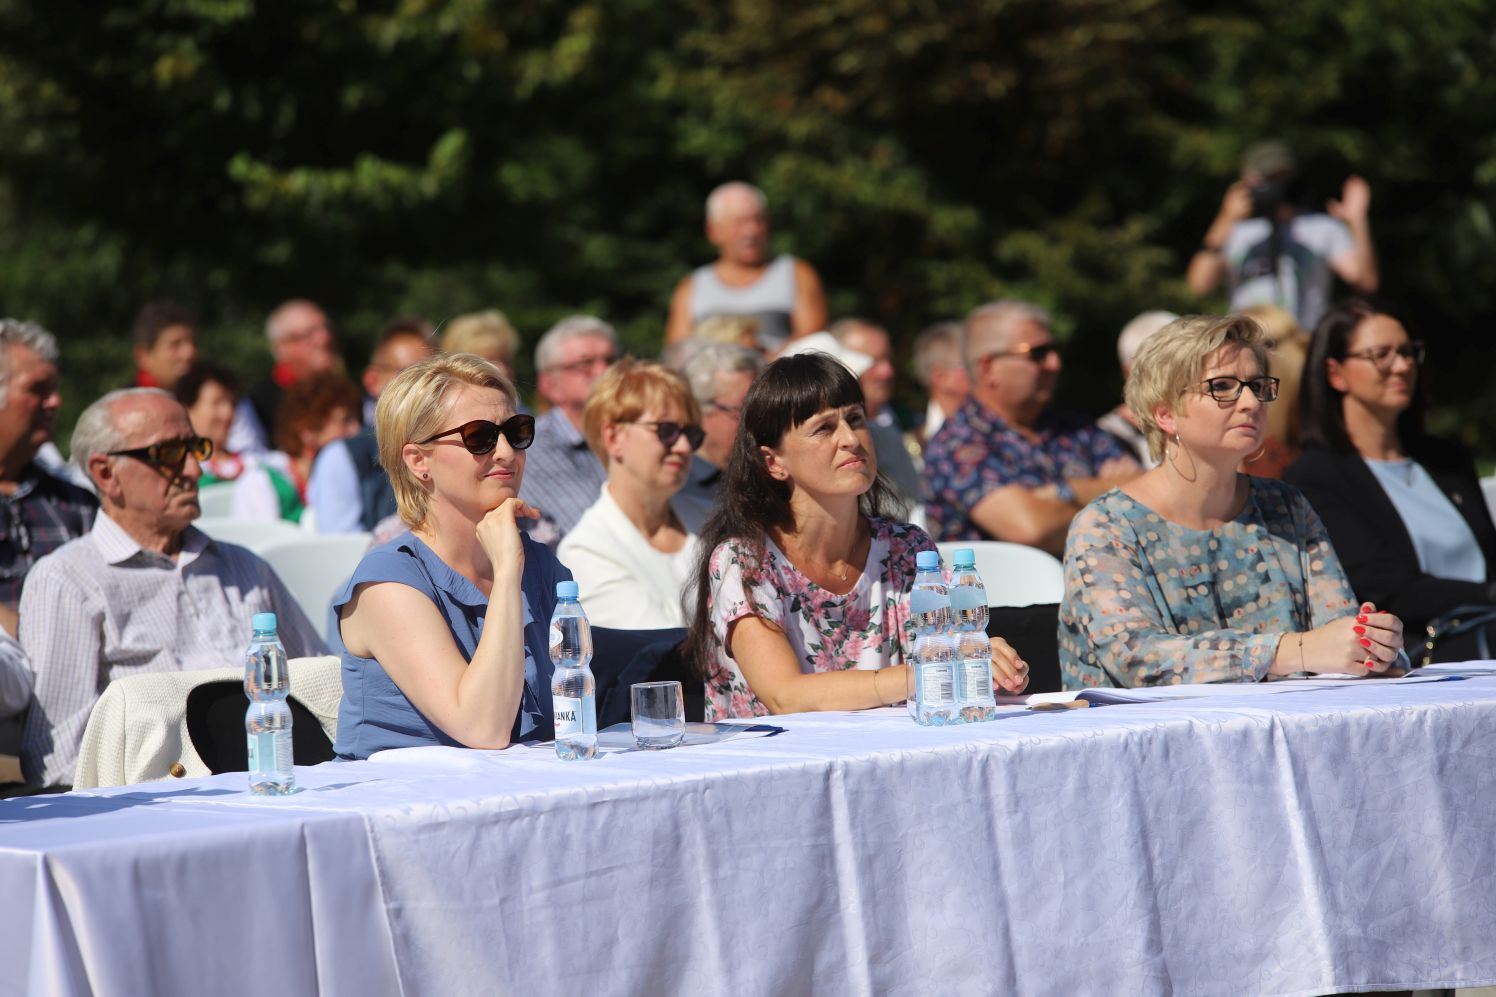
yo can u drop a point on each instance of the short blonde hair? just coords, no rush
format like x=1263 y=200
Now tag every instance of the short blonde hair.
x=1173 y=359
x=1287 y=345
x=414 y=406
x=482 y=333
x=626 y=391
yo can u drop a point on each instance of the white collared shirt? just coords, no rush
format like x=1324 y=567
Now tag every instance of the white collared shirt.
x=101 y=607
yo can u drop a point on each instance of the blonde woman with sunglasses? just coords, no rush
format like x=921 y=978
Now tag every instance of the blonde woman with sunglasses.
x=1195 y=572
x=443 y=628
x=630 y=553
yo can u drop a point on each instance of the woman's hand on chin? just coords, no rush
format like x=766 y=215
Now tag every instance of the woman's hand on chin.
x=498 y=534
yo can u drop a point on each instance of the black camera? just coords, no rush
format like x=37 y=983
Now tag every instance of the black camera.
x=1268 y=196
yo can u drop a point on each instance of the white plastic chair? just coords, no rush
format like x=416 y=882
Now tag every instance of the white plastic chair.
x=251 y=533
x=217 y=500
x=1014 y=574
x=1488 y=488
x=315 y=567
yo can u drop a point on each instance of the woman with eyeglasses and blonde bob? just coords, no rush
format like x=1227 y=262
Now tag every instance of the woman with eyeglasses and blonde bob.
x=629 y=553
x=1404 y=508
x=443 y=628
x=1195 y=572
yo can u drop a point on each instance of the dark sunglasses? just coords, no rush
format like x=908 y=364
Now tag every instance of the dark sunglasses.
x=1038 y=354
x=170 y=453
x=482 y=435
x=669 y=432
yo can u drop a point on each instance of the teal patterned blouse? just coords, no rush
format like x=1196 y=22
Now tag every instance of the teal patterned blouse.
x=1150 y=602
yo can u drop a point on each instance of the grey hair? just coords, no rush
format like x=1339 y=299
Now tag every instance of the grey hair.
x=701 y=370
x=987 y=327
x=97 y=432
x=1139 y=329
x=22 y=333
x=571 y=327
x=714 y=200
x=935 y=347
x=272 y=324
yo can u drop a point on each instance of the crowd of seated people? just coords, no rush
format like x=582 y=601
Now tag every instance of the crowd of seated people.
x=748 y=487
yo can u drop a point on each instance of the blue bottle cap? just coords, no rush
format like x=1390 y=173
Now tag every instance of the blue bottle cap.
x=566 y=590
x=927 y=560
x=262 y=621
x=964 y=557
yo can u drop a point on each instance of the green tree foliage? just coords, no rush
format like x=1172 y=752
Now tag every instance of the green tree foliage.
x=436 y=156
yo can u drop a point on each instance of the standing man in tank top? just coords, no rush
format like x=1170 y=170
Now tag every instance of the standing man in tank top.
x=783 y=293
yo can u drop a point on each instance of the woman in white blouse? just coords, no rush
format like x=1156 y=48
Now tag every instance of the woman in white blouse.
x=629 y=553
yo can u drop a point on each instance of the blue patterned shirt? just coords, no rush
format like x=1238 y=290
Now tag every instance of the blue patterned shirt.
x=976 y=452
x=1151 y=602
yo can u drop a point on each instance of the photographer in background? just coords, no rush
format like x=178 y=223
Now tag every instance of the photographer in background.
x=1272 y=251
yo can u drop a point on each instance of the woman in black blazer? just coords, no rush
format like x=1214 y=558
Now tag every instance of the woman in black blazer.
x=1364 y=446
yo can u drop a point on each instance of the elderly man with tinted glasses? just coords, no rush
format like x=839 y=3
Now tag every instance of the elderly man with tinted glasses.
x=144 y=590
x=1005 y=466
x=562 y=476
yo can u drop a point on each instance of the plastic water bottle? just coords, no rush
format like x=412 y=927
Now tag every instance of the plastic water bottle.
x=969 y=630
x=932 y=700
x=267 y=722
x=572 y=690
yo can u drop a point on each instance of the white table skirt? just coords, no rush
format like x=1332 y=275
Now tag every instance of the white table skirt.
x=1242 y=842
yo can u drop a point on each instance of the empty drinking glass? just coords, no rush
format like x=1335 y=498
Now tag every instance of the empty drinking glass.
x=659 y=714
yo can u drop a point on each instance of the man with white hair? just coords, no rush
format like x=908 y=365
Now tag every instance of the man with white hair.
x=144 y=590
x=939 y=366
x=1006 y=466
x=783 y=293
x=562 y=475
x=302 y=343
x=42 y=510
x=720 y=375
x=1119 y=421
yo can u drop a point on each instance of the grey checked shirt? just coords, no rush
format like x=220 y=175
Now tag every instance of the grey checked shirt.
x=101 y=608
x=562 y=477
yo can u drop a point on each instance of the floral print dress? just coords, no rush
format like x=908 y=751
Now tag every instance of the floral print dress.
x=1150 y=602
x=866 y=628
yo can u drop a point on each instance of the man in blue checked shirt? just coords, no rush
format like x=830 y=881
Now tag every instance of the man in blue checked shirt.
x=1005 y=466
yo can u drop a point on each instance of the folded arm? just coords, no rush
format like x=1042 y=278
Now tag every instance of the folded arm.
x=772 y=671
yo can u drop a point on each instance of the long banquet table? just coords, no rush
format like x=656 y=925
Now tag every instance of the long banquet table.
x=1283 y=839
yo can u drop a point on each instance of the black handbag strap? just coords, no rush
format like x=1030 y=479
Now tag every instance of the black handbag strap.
x=1457 y=622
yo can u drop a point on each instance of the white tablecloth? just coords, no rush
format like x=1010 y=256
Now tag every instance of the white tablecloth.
x=1241 y=842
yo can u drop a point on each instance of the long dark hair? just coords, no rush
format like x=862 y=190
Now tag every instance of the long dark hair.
x=790 y=391
x=1321 y=411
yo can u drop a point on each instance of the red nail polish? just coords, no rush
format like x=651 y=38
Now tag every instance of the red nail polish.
x=1361 y=618
x=1358 y=630
x=1365 y=641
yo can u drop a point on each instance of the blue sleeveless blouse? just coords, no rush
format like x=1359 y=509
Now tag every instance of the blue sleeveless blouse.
x=374 y=714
